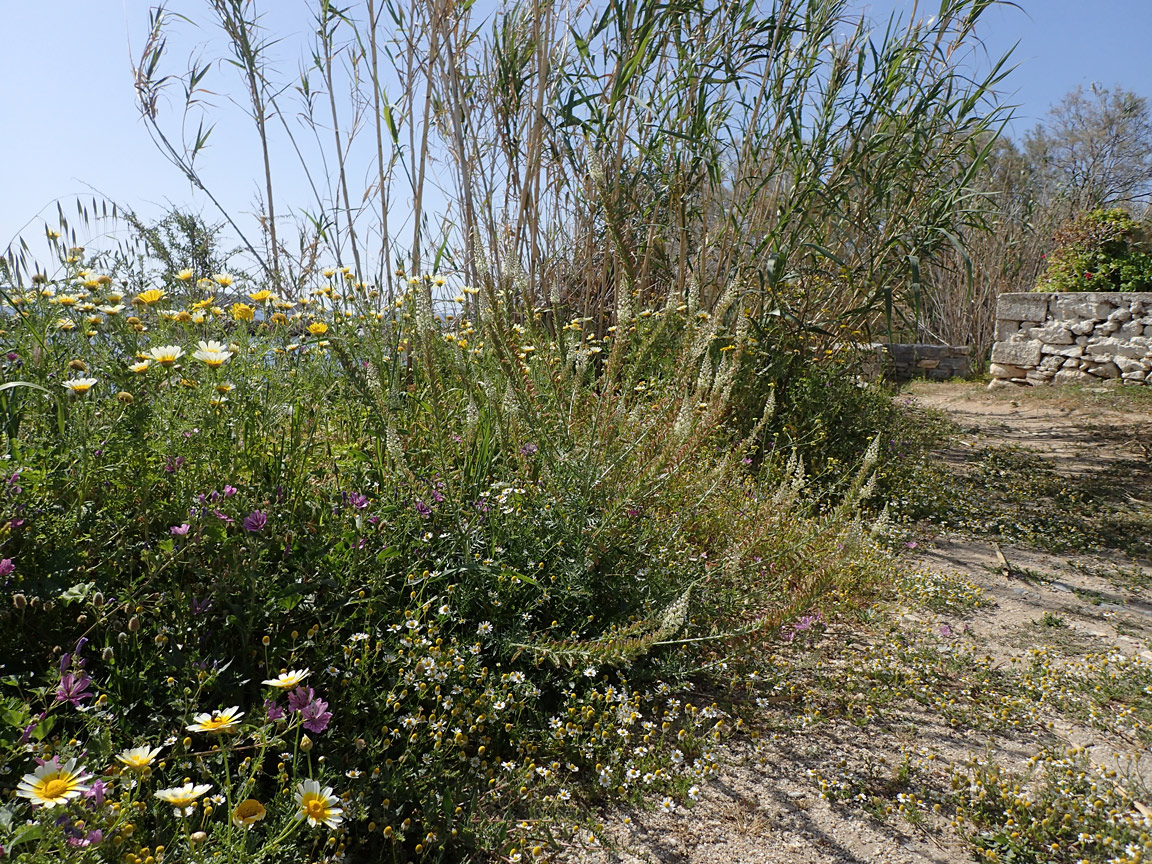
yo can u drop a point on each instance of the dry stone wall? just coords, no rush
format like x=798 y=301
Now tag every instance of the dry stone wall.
x=1072 y=338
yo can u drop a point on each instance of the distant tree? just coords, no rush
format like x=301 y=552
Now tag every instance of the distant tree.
x=1095 y=148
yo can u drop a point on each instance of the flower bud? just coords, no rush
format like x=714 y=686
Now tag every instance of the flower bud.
x=305 y=743
x=197 y=837
x=19 y=601
x=107 y=654
x=134 y=624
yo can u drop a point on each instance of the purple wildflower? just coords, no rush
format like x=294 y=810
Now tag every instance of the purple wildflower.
x=423 y=509
x=7 y=567
x=255 y=521
x=229 y=491
x=316 y=715
x=529 y=449
x=97 y=791
x=274 y=711
x=300 y=698
x=180 y=530
x=174 y=464
x=92 y=838
x=357 y=500
x=223 y=517
x=73 y=689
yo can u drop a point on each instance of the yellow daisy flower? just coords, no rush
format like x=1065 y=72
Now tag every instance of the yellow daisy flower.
x=79 y=386
x=248 y=813
x=262 y=296
x=138 y=758
x=166 y=355
x=288 y=680
x=223 y=279
x=218 y=721
x=242 y=312
x=317 y=328
x=141 y=367
x=185 y=275
x=53 y=783
x=318 y=806
x=212 y=353
x=183 y=798
x=152 y=295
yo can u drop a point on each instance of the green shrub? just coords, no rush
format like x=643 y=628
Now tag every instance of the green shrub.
x=1100 y=250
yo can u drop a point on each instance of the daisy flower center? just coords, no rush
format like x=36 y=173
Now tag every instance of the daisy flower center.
x=53 y=788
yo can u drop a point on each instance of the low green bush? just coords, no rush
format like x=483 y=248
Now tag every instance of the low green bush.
x=1099 y=250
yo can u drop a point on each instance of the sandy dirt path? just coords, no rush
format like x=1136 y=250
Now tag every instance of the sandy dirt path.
x=836 y=789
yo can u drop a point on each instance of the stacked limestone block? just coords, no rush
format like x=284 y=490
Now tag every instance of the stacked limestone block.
x=1072 y=338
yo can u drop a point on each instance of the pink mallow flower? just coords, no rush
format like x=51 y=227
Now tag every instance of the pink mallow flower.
x=73 y=689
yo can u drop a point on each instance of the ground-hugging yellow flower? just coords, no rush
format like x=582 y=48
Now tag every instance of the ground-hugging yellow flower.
x=138 y=758
x=183 y=798
x=218 y=721
x=288 y=680
x=152 y=295
x=248 y=813
x=52 y=783
x=166 y=355
x=79 y=386
x=262 y=296
x=318 y=805
x=242 y=312
x=317 y=328
x=214 y=354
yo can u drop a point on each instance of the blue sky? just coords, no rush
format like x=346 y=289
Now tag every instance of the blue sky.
x=70 y=125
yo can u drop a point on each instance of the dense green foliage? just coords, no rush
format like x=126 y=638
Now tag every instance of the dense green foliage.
x=1100 y=250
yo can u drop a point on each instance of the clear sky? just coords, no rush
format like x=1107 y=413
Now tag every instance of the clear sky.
x=70 y=126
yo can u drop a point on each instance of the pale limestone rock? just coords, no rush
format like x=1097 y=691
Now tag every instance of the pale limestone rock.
x=1104 y=370
x=1017 y=353
x=1071 y=376
x=1022 y=307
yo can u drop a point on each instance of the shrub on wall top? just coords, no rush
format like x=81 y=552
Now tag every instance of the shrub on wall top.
x=1099 y=250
